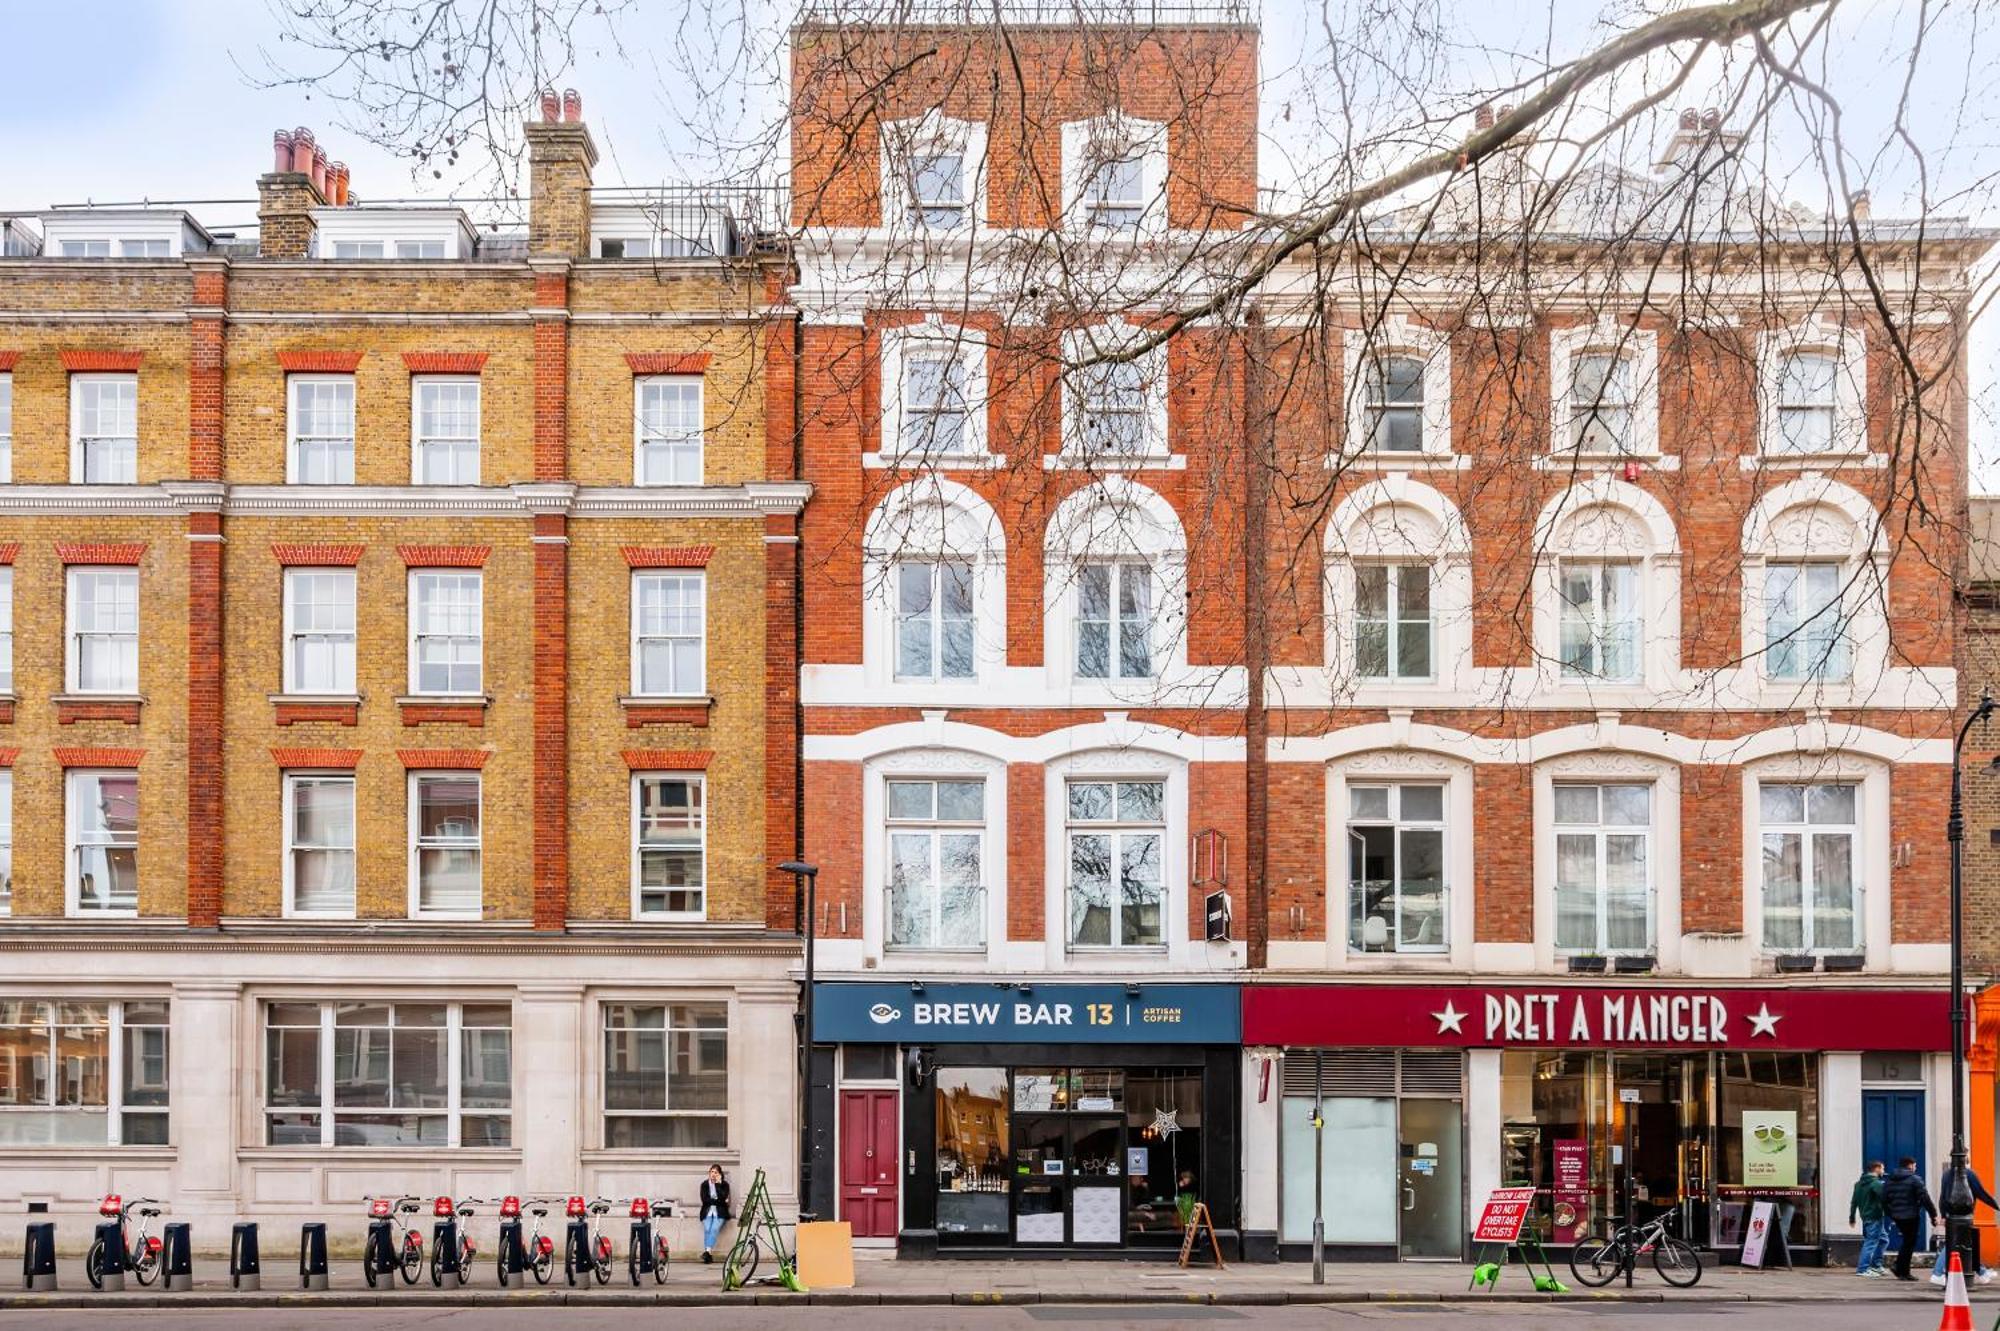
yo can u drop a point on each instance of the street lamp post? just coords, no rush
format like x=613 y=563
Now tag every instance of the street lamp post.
x=1957 y=1199
x=810 y=873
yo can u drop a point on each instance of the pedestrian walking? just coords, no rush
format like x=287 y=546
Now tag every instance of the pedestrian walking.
x=1865 y=1204
x=714 y=1210
x=1907 y=1202
x=1979 y=1194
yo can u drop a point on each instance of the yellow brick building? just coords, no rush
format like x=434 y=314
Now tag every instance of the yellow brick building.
x=397 y=721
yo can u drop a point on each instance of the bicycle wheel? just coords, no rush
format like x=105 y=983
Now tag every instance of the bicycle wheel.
x=1597 y=1262
x=601 y=1267
x=368 y=1263
x=632 y=1251
x=660 y=1262
x=93 y=1265
x=1677 y=1261
x=741 y=1264
x=413 y=1259
x=146 y=1265
x=437 y=1268
x=544 y=1264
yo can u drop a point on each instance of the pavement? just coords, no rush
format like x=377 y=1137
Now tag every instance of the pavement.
x=880 y=1281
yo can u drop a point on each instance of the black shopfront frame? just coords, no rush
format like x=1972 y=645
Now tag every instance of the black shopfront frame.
x=1221 y=1148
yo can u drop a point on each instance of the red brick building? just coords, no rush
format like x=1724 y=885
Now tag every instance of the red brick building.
x=1497 y=646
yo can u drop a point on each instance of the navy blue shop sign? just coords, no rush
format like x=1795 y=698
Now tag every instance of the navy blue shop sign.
x=891 y=1013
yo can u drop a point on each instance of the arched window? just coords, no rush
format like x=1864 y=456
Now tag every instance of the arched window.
x=1814 y=583
x=1116 y=593
x=934 y=581
x=1608 y=601
x=1398 y=586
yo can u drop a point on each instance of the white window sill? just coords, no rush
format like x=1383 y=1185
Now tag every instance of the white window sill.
x=1857 y=461
x=1606 y=462
x=1114 y=462
x=76 y=914
x=1370 y=460
x=446 y=916
x=77 y=695
x=919 y=461
x=918 y=953
x=321 y=916
x=669 y=917
x=1113 y=950
x=335 y=699
x=666 y=700
x=433 y=700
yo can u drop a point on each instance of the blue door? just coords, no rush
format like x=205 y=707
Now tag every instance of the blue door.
x=1892 y=1126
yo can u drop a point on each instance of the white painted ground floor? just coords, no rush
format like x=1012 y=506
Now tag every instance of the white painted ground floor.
x=285 y=1074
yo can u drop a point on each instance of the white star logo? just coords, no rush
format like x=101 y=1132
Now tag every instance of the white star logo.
x=1451 y=1019
x=1764 y=1021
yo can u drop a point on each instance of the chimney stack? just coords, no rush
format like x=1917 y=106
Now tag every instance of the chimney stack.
x=286 y=196
x=560 y=157
x=1482 y=116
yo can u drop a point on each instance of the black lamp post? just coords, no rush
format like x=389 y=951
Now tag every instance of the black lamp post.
x=1957 y=1199
x=809 y=872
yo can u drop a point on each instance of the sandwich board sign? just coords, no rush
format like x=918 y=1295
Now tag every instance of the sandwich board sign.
x=1500 y=1220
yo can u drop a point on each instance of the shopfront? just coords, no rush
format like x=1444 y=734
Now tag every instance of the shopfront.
x=1703 y=1102
x=1056 y=1119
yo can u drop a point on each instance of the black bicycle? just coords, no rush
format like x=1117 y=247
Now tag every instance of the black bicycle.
x=1597 y=1262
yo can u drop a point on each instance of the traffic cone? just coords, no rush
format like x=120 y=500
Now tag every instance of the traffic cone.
x=1957 y=1308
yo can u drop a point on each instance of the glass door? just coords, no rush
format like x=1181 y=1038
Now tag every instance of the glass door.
x=1433 y=1188
x=1041 y=1180
x=1097 y=1188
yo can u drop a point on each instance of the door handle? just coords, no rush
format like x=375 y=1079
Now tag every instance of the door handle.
x=1409 y=1198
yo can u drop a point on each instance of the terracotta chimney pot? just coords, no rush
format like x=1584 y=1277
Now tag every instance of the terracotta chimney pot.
x=1690 y=119
x=572 y=106
x=551 y=106
x=281 y=151
x=1482 y=116
x=302 y=150
x=319 y=171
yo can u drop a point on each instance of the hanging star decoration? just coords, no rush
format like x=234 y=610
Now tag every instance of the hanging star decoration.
x=1166 y=1122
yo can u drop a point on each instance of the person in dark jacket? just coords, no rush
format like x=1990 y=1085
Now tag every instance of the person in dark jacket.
x=1979 y=1194
x=1907 y=1202
x=1865 y=1204
x=715 y=1210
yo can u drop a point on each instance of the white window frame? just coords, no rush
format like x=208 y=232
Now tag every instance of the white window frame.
x=1593 y=619
x=672 y=444
x=1087 y=143
x=699 y=579
x=1639 y=351
x=86 y=249
x=418 y=844
x=698 y=781
x=1397 y=574
x=1397 y=337
x=1398 y=822
x=1599 y=831
x=6 y=427
x=1806 y=831
x=452 y=444
x=346 y=684
x=79 y=445
x=1115 y=518
x=73 y=780
x=1119 y=571
x=1814 y=519
x=1118 y=828
x=931 y=337
x=6 y=630
x=1153 y=367
x=1600 y=519
x=1848 y=349
x=454 y=1109
x=293 y=780
x=294 y=469
x=932 y=620
x=116 y=1090
x=416 y=635
x=731 y=1052
x=6 y=841
x=1840 y=649
x=934 y=827
x=903 y=141
x=74 y=632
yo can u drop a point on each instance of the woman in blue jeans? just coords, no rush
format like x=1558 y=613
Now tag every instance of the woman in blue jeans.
x=714 y=1210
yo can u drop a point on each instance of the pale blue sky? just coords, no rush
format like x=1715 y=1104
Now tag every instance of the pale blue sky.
x=158 y=99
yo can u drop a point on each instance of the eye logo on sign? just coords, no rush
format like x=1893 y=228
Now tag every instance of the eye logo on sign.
x=882 y=1014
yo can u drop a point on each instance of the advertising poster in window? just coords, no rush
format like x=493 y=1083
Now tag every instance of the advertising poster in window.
x=1770 y=1148
x=1572 y=1199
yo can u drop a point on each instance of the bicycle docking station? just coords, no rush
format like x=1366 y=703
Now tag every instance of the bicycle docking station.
x=111 y=1242
x=244 y=1271
x=513 y=1258
x=576 y=1240
x=444 y=1237
x=312 y=1256
x=38 y=1258
x=643 y=1261
x=177 y=1257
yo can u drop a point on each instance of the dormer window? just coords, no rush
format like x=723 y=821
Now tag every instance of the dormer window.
x=937 y=188
x=144 y=249
x=420 y=249
x=624 y=247
x=357 y=249
x=1114 y=195
x=86 y=249
x=1394 y=404
x=1806 y=402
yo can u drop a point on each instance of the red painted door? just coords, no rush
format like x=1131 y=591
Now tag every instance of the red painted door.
x=868 y=1162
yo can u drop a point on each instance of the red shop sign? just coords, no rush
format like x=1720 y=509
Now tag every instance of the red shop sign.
x=1595 y=1017
x=1501 y=1218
